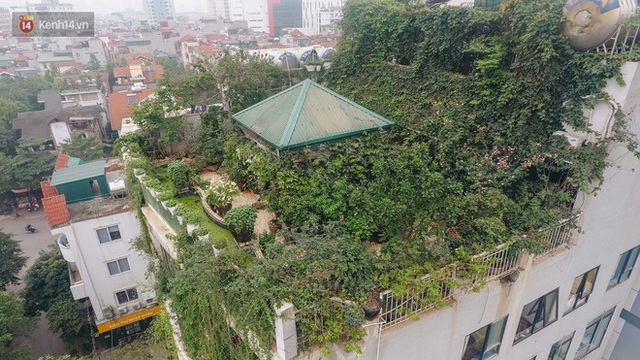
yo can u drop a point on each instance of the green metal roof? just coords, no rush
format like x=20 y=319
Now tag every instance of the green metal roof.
x=74 y=161
x=308 y=113
x=80 y=172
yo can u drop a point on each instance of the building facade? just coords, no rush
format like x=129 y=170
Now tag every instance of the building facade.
x=5 y=20
x=82 y=51
x=284 y=14
x=316 y=13
x=158 y=11
x=96 y=236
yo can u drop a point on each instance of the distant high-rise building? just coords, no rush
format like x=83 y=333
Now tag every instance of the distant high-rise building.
x=284 y=14
x=255 y=12
x=5 y=20
x=316 y=13
x=158 y=11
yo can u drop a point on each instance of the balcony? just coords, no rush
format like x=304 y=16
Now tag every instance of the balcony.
x=77 y=285
x=65 y=249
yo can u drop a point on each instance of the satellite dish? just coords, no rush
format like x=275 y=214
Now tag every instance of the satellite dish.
x=591 y=23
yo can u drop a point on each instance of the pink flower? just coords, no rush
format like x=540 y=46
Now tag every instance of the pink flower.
x=333 y=288
x=307 y=286
x=328 y=242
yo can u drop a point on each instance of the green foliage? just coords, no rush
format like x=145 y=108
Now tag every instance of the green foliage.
x=180 y=174
x=241 y=221
x=24 y=90
x=161 y=131
x=190 y=216
x=84 y=146
x=221 y=193
x=46 y=281
x=27 y=168
x=170 y=65
x=70 y=317
x=12 y=260
x=210 y=146
x=13 y=324
x=94 y=64
x=9 y=110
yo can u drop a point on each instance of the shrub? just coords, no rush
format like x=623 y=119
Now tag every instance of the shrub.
x=221 y=193
x=180 y=174
x=241 y=221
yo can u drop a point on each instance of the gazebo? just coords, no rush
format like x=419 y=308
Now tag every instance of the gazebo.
x=306 y=114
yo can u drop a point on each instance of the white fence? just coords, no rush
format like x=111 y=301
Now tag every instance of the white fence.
x=499 y=263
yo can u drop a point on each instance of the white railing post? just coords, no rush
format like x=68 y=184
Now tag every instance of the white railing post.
x=286 y=336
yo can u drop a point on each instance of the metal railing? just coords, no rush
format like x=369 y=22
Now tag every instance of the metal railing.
x=499 y=263
x=556 y=237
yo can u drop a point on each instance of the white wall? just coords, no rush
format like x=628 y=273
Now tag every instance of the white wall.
x=610 y=226
x=92 y=257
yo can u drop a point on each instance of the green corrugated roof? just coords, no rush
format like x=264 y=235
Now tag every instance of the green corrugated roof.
x=73 y=161
x=308 y=113
x=80 y=172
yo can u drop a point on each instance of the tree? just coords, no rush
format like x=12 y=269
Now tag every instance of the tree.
x=24 y=90
x=30 y=166
x=47 y=290
x=123 y=62
x=83 y=146
x=13 y=324
x=45 y=282
x=94 y=64
x=70 y=317
x=170 y=65
x=112 y=79
x=11 y=259
x=9 y=110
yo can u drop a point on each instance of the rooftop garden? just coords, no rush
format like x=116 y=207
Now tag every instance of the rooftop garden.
x=473 y=164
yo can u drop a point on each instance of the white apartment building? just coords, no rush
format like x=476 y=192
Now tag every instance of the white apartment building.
x=316 y=13
x=5 y=20
x=96 y=236
x=255 y=12
x=82 y=51
x=158 y=10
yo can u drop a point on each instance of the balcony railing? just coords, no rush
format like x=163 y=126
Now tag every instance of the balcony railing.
x=499 y=263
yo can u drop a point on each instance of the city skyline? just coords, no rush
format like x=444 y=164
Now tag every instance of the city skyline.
x=111 y=6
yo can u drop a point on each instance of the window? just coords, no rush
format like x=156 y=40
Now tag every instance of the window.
x=593 y=335
x=118 y=266
x=108 y=234
x=581 y=289
x=537 y=315
x=484 y=343
x=127 y=295
x=625 y=266
x=559 y=350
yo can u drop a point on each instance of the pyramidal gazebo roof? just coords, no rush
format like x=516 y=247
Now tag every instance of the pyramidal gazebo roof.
x=307 y=113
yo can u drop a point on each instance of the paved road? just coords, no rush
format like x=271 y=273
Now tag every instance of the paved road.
x=42 y=341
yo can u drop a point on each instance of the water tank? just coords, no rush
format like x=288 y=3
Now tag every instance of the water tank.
x=591 y=23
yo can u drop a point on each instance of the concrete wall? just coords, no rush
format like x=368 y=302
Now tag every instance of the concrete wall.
x=609 y=227
x=92 y=257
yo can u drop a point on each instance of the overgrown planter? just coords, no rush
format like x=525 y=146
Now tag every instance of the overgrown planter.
x=241 y=221
x=275 y=225
x=372 y=307
x=222 y=210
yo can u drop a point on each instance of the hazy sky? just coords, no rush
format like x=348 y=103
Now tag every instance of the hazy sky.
x=109 y=6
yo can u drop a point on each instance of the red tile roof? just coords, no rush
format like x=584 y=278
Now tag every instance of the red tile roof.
x=296 y=33
x=119 y=107
x=55 y=209
x=122 y=71
x=47 y=189
x=138 y=56
x=186 y=38
x=154 y=75
x=61 y=162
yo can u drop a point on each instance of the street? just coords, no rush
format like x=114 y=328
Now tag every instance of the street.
x=41 y=341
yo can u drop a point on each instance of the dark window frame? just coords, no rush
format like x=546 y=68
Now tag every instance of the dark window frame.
x=487 y=350
x=597 y=334
x=623 y=267
x=581 y=296
x=541 y=316
x=119 y=265
x=129 y=295
x=558 y=346
x=112 y=235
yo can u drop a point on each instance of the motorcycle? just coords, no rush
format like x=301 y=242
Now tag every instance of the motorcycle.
x=30 y=229
x=33 y=207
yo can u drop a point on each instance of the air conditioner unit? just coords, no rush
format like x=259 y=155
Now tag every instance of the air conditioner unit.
x=575 y=140
x=108 y=312
x=122 y=310
x=136 y=306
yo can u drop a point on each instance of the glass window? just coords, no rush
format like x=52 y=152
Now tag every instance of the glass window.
x=485 y=342
x=625 y=266
x=537 y=315
x=559 y=350
x=127 y=295
x=108 y=234
x=118 y=266
x=593 y=334
x=581 y=289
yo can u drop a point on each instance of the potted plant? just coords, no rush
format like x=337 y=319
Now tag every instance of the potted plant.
x=220 y=195
x=241 y=221
x=275 y=224
x=180 y=175
x=372 y=305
